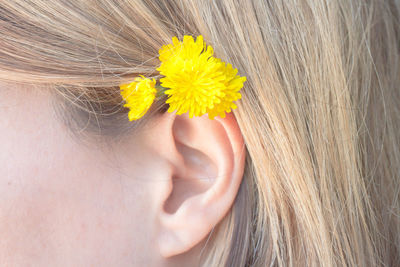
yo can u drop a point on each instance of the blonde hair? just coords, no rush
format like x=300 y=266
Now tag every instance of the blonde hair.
x=320 y=110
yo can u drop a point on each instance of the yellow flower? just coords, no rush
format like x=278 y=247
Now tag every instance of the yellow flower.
x=139 y=96
x=233 y=84
x=196 y=81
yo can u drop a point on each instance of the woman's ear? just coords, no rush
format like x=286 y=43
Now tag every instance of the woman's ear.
x=207 y=163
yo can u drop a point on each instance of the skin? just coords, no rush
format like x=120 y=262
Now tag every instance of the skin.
x=150 y=199
x=63 y=203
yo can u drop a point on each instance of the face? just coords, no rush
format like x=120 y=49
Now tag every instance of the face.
x=63 y=203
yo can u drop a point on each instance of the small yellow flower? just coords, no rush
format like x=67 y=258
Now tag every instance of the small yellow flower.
x=233 y=83
x=139 y=96
x=196 y=81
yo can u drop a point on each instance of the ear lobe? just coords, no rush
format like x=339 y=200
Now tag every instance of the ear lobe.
x=207 y=174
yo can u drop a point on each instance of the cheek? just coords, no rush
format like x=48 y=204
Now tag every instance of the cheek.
x=73 y=207
x=65 y=204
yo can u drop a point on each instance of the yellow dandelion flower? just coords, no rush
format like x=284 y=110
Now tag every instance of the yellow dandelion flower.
x=233 y=84
x=139 y=96
x=196 y=81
